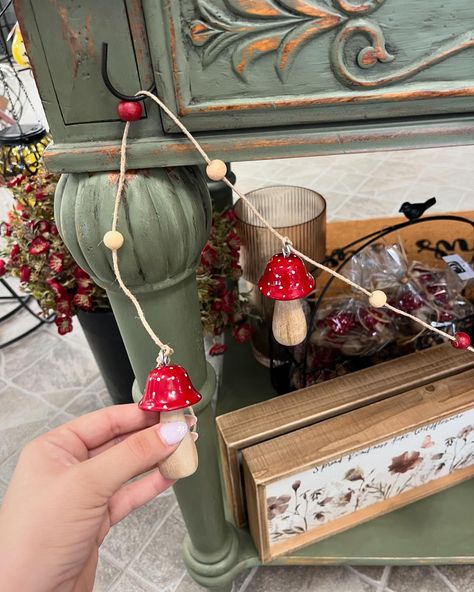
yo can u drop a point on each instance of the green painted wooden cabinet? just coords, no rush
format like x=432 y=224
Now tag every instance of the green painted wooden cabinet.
x=253 y=79
x=346 y=75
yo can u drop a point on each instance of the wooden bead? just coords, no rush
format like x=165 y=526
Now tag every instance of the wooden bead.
x=216 y=170
x=378 y=299
x=113 y=239
x=129 y=110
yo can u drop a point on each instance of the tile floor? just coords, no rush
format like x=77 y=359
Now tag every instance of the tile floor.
x=33 y=377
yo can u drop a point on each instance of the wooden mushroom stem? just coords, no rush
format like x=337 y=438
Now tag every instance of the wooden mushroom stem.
x=289 y=322
x=184 y=460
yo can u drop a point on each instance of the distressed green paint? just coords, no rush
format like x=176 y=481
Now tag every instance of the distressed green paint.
x=221 y=194
x=404 y=80
x=271 y=143
x=248 y=59
x=410 y=100
x=64 y=40
x=165 y=218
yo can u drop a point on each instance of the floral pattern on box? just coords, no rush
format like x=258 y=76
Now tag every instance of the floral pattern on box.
x=365 y=477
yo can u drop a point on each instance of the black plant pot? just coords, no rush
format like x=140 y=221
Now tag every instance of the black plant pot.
x=105 y=341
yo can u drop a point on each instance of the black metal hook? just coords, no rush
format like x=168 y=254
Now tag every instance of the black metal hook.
x=110 y=86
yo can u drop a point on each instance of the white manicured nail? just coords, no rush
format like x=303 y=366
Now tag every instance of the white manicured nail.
x=174 y=432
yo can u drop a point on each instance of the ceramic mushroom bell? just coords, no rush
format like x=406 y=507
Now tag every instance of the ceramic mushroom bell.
x=286 y=281
x=169 y=390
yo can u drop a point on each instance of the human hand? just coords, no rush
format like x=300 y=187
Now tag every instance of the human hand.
x=70 y=486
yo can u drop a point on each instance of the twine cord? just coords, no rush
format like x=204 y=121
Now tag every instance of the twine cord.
x=165 y=350
x=286 y=242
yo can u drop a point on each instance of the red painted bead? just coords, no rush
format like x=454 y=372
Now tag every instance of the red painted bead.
x=285 y=278
x=168 y=388
x=129 y=110
x=461 y=340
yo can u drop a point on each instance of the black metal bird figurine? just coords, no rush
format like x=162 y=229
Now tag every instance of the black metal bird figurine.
x=416 y=210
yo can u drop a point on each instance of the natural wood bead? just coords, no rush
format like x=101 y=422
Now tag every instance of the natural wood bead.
x=113 y=239
x=289 y=322
x=216 y=170
x=184 y=460
x=378 y=299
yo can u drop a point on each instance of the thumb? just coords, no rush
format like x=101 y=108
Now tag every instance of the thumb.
x=137 y=454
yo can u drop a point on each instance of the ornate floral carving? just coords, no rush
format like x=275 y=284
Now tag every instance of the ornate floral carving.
x=377 y=52
x=364 y=7
x=257 y=27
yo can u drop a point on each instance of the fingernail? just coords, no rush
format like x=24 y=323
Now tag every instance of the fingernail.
x=194 y=436
x=174 y=432
x=192 y=420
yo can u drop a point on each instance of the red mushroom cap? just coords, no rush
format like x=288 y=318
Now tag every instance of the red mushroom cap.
x=285 y=278
x=168 y=388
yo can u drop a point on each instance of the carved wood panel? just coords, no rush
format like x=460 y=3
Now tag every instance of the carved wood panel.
x=235 y=62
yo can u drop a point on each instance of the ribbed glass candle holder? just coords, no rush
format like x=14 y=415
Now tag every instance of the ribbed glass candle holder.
x=299 y=214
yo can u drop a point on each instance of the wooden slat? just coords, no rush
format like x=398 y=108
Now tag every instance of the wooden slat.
x=302 y=449
x=260 y=422
x=293 y=452
x=371 y=512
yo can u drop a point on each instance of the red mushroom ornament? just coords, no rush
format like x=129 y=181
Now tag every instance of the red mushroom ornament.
x=169 y=390
x=286 y=281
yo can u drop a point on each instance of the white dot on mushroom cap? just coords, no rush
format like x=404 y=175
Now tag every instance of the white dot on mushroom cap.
x=189 y=386
x=165 y=406
x=187 y=402
x=268 y=293
x=158 y=379
x=297 y=284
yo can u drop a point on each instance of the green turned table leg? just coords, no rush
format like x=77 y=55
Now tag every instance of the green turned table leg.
x=165 y=218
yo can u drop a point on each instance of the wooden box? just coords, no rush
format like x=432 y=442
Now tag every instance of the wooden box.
x=320 y=480
x=250 y=425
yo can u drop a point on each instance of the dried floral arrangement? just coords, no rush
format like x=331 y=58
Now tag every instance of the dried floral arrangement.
x=222 y=304
x=35 y=253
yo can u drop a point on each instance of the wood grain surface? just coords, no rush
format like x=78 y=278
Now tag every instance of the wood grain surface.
x=266 y=420
x=302 y=449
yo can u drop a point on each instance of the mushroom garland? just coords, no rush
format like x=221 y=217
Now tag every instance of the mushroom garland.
x=286 y=281
x=169 y=390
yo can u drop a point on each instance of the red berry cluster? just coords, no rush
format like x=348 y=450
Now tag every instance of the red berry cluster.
x=218 y=272
x=353 y=327
x=35 y=253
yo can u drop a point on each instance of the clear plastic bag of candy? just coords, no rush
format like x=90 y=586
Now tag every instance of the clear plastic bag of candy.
x=433 y=295
x=345 y=332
